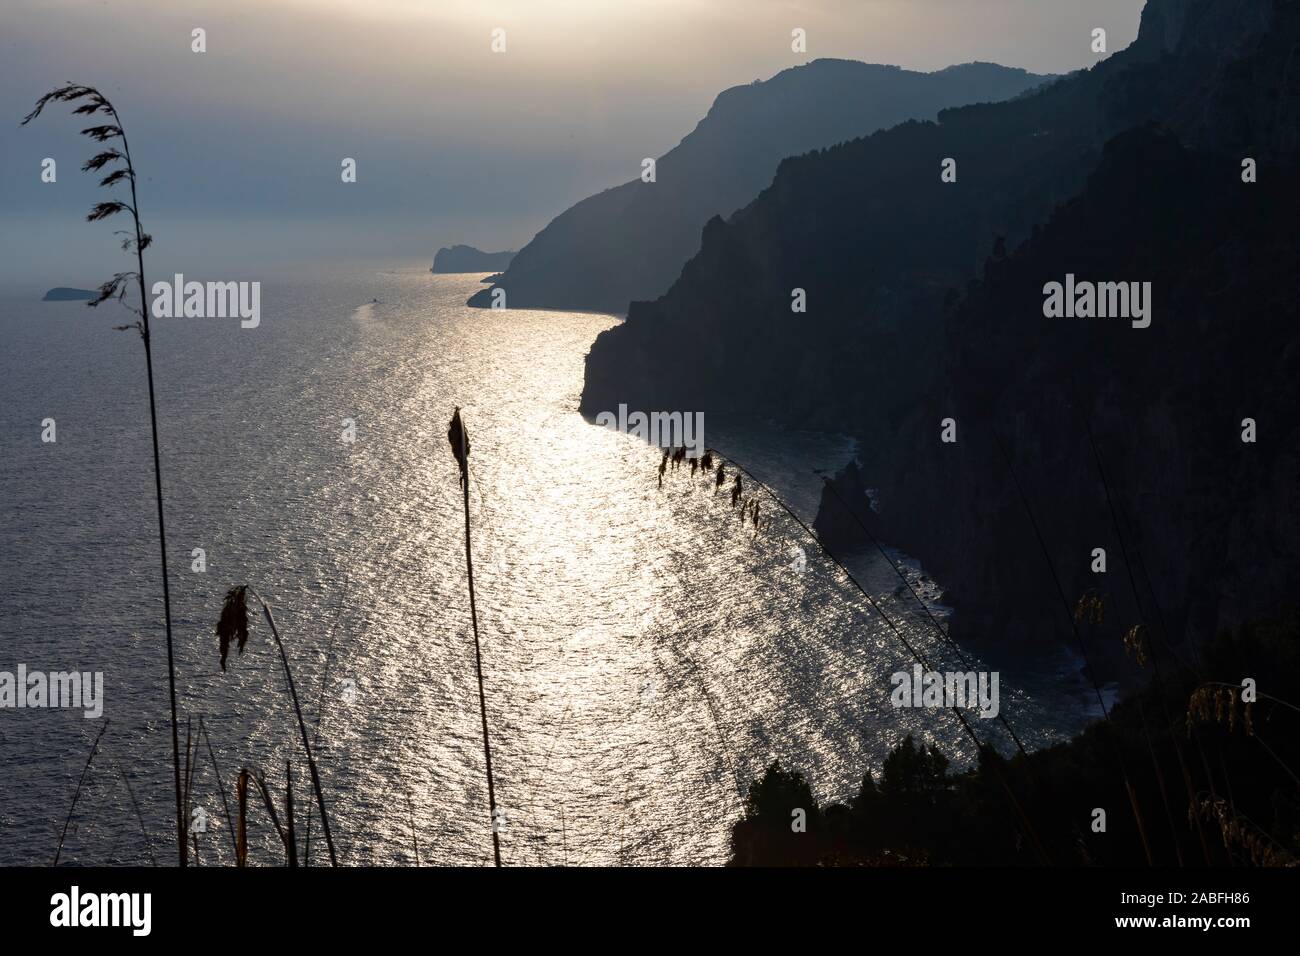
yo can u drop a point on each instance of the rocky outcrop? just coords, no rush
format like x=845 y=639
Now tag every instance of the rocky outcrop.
x=845 y=506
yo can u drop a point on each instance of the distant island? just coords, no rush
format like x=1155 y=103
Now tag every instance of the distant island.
x=469 y=259
x=62 y=293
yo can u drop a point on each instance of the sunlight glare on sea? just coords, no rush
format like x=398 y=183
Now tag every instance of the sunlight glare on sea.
x=645 y=654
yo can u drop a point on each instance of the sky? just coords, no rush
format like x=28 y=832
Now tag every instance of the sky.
x=239 y=148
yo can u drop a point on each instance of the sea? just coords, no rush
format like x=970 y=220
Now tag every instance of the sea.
x=646 y=653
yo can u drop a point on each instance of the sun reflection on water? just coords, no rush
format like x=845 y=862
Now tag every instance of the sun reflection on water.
x=645 y=654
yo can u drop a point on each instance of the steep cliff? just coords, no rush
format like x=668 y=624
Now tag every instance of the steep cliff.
x=916 y=312
x=1208 y=521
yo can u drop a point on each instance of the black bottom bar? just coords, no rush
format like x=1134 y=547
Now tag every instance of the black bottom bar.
x=218 y=906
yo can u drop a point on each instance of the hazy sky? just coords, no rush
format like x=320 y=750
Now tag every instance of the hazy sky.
x=239 y=147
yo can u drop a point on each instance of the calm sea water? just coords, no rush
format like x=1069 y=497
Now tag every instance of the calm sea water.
x=645 y=656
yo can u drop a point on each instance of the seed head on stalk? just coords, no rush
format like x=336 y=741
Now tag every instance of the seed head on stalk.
x=89 y=103
x=233 y=625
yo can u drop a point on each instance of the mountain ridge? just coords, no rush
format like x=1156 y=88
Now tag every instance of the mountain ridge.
x=630 y=241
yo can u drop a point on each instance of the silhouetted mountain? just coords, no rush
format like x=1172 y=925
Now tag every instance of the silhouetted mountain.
x=469 y=259
x=889 y=346
x=1209 y=522
x=630 y=242
x=62 y=293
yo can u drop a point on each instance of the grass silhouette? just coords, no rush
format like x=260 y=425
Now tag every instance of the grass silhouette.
x=91 y=102
x=233 y=626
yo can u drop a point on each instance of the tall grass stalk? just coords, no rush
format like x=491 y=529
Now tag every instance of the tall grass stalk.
x=459 y=440
x=286 y=840
x=291 y=836
x=241 y=795
x=320 y=705
x=221 y=787
x=135 y=805
x=76 y=795
x=189 y=780
x=116 y=287
x=415 y=840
